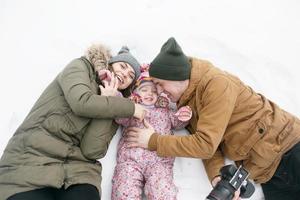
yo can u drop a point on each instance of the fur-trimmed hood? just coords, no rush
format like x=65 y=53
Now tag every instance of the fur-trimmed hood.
x=98 y=55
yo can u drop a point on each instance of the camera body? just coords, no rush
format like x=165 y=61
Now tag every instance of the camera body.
x=232 y=179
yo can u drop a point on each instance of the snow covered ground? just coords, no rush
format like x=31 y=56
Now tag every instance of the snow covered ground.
x=257 y=40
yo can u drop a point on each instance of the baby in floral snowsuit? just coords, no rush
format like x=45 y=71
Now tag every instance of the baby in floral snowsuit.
x=137 y=167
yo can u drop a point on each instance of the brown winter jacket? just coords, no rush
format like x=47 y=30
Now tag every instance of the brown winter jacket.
x=230 y=119
x=67 y=130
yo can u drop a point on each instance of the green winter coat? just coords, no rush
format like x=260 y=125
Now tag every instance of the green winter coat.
x=68 y=128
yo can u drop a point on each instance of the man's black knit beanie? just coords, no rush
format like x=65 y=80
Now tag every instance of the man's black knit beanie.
x=171 y=63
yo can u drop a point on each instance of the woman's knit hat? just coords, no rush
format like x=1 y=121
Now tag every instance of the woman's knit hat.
x=125 y=56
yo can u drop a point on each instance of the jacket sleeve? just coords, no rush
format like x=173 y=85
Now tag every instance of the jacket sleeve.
x=97 y=137
x=76 y=86
x=218 y=101
x=214 y=164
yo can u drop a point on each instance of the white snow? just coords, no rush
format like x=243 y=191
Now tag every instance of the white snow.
x=257 y=40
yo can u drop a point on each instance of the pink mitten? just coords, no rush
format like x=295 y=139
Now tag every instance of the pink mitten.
x=162 y=102
x=184 y=113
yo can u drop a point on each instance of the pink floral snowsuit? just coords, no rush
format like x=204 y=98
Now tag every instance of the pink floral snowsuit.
x=137 y=167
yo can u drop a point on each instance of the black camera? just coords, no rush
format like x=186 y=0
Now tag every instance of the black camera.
x=232 y=179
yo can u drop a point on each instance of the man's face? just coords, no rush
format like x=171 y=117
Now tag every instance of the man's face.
x=173 y=89
x=148 y=93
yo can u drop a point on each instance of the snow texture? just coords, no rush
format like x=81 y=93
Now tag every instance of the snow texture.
x=257 y=40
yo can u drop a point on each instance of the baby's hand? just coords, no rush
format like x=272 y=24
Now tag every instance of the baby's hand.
x=184 y=113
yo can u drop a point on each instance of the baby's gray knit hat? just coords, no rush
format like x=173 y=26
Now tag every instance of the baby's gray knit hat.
x=125 y=56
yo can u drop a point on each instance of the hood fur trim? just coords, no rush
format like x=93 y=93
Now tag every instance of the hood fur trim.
x=98 y=55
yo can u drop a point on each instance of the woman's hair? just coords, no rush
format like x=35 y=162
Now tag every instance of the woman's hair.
x=126 y=92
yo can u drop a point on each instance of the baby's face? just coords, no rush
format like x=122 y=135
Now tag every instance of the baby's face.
x=148 y=93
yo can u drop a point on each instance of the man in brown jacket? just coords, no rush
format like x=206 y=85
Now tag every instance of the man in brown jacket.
x=229 y=119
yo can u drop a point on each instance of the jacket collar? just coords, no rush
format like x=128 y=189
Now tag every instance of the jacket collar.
x=198 y=69
x=90 y=66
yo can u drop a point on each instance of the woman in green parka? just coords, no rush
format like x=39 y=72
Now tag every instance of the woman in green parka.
x=53 y=154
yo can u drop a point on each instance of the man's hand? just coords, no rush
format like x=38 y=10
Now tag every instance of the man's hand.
x=217 y=179
x=138 y=137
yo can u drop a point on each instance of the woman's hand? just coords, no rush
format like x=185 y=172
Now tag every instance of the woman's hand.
x=110 y=88
x=236 y=194
x=139 y=112
x=104 y=75
x=138 y=137
x=184 y=113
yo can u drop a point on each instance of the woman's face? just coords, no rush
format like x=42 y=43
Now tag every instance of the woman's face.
x=124 y=73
